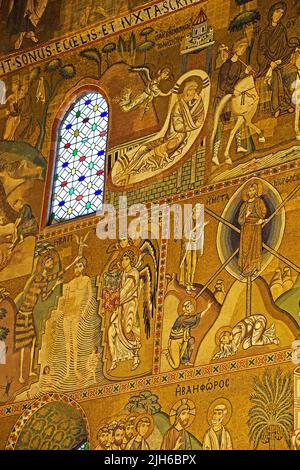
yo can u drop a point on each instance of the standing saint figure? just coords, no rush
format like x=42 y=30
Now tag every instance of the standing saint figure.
x=40 y=285
x=124 y=330
x=182 y=416
x=13 y=112
x=191 y=248
x=251 y=217
x=29 y=323
x=218 y=437
x=143 y=429
x=181 y=343
x=77 y=296
x=273 y=57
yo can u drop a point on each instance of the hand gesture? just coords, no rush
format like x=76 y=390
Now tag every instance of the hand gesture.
x=273 y=65
x=249 y=70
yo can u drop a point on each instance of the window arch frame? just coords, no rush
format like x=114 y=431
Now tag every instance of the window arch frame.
x=71 y=97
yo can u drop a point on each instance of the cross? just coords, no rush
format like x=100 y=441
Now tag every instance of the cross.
x=265 y=246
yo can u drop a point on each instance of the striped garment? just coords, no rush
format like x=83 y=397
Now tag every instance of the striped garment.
x=24 y=329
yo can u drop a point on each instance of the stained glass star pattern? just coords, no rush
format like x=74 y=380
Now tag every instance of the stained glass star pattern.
x=80 y=159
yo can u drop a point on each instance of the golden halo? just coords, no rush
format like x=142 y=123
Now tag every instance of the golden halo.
x=50 y=253
x=192 y=78
x=220 y=401
x=112 y=422
x=151 y=427
x=100 y=429
x=185 y=299
x=133 y=249
x=258 y=183
x=122 y=418
x=131 y=417
x=183 y=403
x=294 y=437
x=220 y=332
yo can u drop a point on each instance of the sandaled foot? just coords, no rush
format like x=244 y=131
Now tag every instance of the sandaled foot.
x=113 y=366
x=298 y=136
x=215 y=160
x=291 y=110
x=228 y=161
x=241 y=150
x=277 y=114
x=21 y=380
x=135 y=364
x=32 y=374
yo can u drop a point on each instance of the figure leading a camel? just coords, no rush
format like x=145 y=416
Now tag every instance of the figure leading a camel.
x=237 y=95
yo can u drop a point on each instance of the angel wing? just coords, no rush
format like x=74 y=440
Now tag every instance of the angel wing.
x=144 y=73
x=148 y=268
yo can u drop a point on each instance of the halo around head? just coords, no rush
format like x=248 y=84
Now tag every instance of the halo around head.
x=220 y=332
x=49 y=253
x=184 y=403
x=252 y=182
x=142 y=417
x=130 y=249
x=220 y=401
x=183 y=301
x=193 y=81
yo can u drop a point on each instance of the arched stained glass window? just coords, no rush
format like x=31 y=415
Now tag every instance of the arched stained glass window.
x=79 y=173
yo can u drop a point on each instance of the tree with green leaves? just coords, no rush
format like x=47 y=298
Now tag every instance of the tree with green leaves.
x=145 y=402
x=271 y=417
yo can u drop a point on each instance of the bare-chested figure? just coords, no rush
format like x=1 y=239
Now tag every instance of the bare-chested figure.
x=76 y=298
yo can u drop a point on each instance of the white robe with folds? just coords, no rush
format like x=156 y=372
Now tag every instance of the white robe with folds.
x=211 y=442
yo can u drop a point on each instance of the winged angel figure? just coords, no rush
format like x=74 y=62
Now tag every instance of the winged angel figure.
x=187 y=111
x=129 y=293
x=151 y=90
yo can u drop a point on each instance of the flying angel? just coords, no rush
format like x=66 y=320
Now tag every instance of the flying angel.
x=151 y=90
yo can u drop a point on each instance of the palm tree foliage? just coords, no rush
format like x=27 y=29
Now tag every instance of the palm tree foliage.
x=270 y=418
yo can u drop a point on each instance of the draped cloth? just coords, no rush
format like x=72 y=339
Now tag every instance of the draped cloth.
x=124 y=330
x=184 y=118
x=212 y=442
x=187 y=111
x=25 y=15
x=180 y=342
x=250 y=253
x=273 y=45
x=171 y=438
